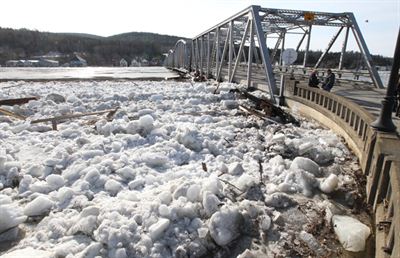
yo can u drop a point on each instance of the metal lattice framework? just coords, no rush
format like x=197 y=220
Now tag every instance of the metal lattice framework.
x=236 y=49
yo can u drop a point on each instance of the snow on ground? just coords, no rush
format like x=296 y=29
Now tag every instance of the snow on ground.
x=178 y=172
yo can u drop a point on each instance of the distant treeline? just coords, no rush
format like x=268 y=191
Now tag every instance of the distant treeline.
x=352 y=60
x=98 y=51
x=108 y=51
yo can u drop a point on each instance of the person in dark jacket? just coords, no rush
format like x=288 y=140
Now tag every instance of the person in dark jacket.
x=329 y=80
x=313 y=80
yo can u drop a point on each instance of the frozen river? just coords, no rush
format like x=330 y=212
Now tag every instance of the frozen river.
x=178 y=172
x=84 y=73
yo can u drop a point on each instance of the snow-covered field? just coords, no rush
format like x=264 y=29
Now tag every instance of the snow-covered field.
x=178 y=172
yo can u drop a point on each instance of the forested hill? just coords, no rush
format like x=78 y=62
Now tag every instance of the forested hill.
x=97 y=50
x=108 y=51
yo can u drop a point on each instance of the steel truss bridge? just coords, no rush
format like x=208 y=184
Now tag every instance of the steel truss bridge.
x=235 y=50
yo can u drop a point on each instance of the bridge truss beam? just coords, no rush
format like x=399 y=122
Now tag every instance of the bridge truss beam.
x=235 y=50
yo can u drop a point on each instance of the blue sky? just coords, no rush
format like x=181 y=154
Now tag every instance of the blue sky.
x=189 y=18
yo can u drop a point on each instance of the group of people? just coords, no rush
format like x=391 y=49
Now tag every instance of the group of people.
x=328 y=82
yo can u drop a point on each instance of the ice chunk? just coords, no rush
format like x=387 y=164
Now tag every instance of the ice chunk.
x=71 y=133
x=305 y=147
x=113 y=186
x=210 y=203
x=236 y=169
x=329 y=184
x=92 y=175
x=265 y=222
x=57 y=98
x=85 y=225
x=145 y=125
x=25 y=183
x=126 y=172
x=91 y=251
x=90 y=211
x=230 y=104
x=246 y=181
x=191 y=139
x=165 y=197
x=128 y=195
x=137 y=183
x=38 y=206
x=28 y=252
x=10 y=216
x=212 y=185
x=276 y=161
x=36 y=170
x=157 y=229
x=351 y=232
x=64 y=194
x=116 y=146
x=279 y=137
x=121 y=253
x=306 y=181
x=20 y=127
x=224 y=225
x=312 y=243
x=193 y=192
x=305 y=164
x=279 y=200
x=154 y=159
x=55 y=181
x=163 y=210
x=202 y=232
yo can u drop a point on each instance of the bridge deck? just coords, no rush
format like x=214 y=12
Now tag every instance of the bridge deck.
x=367 y=97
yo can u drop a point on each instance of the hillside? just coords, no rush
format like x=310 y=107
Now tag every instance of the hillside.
x=97 y=50
x=108 y=51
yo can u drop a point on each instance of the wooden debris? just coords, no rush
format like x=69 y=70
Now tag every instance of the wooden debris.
x=267 y=108
x=204 y=165
x=111 y=114
x=256 y=113
x=54 y=120
x=240 y=192
x=216 y=89
x=19 y=101
x=12 y=114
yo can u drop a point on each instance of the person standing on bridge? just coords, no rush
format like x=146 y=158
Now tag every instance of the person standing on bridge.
x=313 y=80
x=329 y=80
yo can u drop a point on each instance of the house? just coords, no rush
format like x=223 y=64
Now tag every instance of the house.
x=144 y=62
x=135 y=63
x=31 y=63
x=77 y=61
x=123 y=63
x=12 y=63
x=48 y=63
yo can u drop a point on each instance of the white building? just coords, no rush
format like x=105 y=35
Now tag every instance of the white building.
x=123 y=63
x=135 y=63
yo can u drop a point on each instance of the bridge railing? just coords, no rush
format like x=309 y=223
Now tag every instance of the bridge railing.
x=342 y=76
x=378 y=153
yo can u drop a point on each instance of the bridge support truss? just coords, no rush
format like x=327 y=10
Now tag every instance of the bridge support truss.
x=235 y=50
